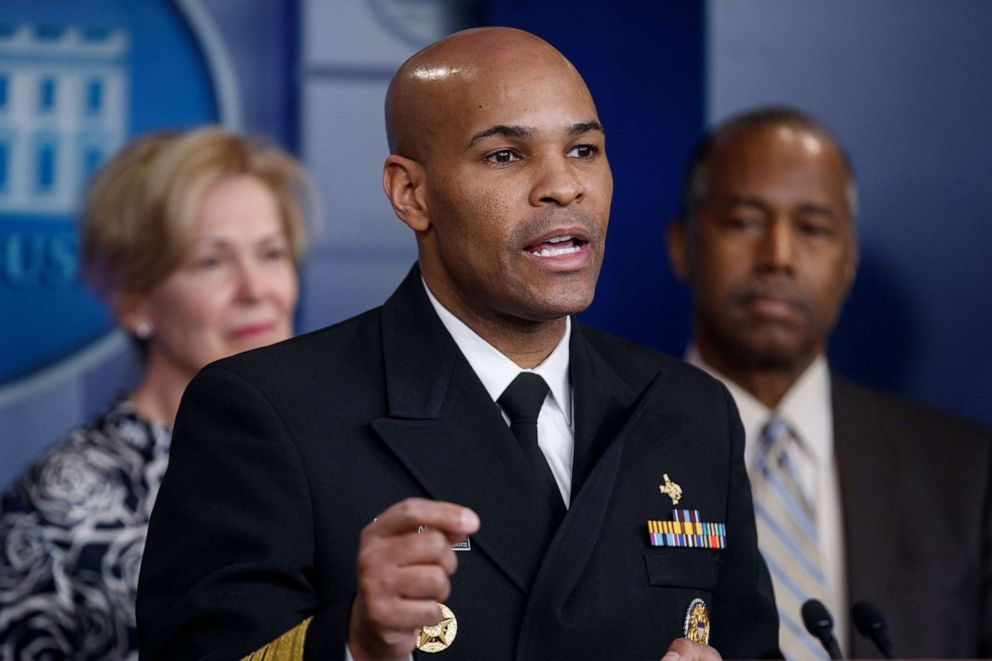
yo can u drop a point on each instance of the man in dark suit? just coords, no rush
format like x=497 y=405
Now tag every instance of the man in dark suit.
x=322 y=493
x=901 y=494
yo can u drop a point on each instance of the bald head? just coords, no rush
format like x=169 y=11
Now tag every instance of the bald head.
x=437 y=84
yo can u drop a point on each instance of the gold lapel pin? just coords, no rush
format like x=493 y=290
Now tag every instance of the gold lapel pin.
x=440 y=636
x=671 y=490
x=697 y=622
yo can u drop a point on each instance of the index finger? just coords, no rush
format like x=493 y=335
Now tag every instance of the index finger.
x=406 y=516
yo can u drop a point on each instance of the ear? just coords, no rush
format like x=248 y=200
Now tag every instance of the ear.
x=678 y=245
x=131 y=311
x=403 y=180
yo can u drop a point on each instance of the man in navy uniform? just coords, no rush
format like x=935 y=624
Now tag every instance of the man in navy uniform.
x=322 y=493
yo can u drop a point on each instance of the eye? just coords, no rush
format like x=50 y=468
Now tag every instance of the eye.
x=502 y=156
x=583 y=151
x=815 y=229
x=741 y=223
x=275 y=253
x=206 y=263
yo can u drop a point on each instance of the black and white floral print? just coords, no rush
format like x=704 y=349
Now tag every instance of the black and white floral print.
x=72 y=530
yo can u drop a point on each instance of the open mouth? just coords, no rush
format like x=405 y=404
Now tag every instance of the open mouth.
x=564 y=244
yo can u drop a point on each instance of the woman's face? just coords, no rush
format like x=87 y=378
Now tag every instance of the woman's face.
x=237 y=288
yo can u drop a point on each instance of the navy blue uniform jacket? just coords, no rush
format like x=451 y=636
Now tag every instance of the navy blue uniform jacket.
x=280 y=456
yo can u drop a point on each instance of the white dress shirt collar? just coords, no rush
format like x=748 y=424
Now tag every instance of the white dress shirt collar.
x=496 y=371
x=806 y=407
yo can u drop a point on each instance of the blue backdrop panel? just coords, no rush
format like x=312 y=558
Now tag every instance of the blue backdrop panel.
x=643 y=62
x=77 y=81
x=119 y=48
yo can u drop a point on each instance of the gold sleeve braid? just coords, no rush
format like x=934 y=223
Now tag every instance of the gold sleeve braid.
x=287 y=647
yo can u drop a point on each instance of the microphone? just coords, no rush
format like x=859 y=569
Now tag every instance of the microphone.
x=818 y=622
x=870 y=624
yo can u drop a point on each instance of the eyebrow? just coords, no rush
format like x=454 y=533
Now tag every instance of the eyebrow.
x=516 y=131
x=805 y=207
x=213 y=240
x=821 y=209
x=585 y=127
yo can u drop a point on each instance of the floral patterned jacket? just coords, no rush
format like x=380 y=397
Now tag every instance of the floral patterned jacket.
x=72 y=529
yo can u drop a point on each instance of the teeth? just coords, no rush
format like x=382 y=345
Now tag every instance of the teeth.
x=554 y=252
x=559 y=239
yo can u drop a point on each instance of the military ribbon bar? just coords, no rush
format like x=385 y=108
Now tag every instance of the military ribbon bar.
x=686 y=530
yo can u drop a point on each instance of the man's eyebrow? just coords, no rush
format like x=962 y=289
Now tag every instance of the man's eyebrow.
x=504 y=130
x=757 y=202
x=821 y=209
x=744 y=201
x=585 y=127
x=516 y=131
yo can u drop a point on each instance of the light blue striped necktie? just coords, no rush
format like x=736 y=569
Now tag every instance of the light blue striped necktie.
x=787 y=537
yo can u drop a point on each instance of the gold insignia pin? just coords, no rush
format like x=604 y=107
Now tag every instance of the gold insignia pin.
x=439 y=637
x=671 y=490
x=697 y=622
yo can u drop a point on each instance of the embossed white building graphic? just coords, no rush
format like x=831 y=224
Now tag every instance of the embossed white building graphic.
x=63 y=107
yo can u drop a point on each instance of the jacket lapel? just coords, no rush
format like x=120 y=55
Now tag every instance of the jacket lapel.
x=600 y=398
x=607 y=413
x=448 y=433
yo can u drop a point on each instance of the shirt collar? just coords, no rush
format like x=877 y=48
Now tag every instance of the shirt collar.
x=806 y=406
x=496 y=371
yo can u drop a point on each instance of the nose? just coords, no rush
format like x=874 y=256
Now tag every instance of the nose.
x=777 y=252
x=251 y=281
x=556 y=183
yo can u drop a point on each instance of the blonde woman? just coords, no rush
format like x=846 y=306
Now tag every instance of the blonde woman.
x=194 y=240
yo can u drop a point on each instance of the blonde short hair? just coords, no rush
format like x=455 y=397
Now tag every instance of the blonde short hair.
x=141 y=208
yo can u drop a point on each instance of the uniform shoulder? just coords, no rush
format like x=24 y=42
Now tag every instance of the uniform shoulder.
x=312 y=352
x=641 y=362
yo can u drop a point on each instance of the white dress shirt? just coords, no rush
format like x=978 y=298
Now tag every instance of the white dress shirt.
x=555 y=430
x=808 y=409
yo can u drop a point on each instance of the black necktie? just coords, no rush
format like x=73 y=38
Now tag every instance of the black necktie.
x=522 y=402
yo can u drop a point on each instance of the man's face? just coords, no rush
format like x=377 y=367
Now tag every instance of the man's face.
x=773 y=252
x=518 y=194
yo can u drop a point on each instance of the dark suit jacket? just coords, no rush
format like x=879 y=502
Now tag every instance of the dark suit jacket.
x=280 y=456
x=916 y=490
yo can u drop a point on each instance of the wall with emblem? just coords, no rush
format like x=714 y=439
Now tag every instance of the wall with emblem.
x=77 y=80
